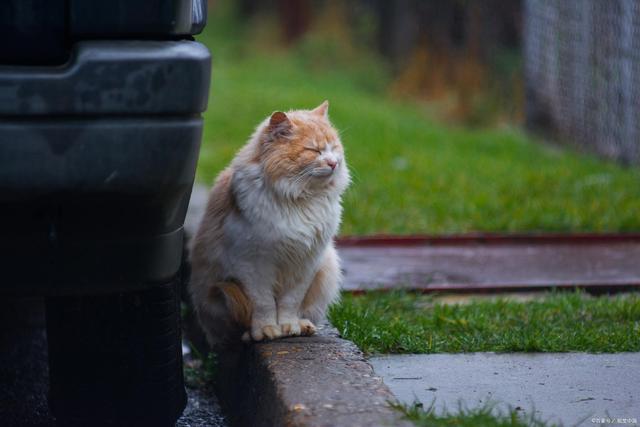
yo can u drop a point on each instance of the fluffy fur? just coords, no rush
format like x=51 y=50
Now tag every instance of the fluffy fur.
x=263 y=260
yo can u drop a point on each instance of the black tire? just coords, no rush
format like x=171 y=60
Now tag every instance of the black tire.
x=116 y=359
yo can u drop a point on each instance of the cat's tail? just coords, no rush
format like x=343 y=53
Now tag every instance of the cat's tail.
x=224 y=312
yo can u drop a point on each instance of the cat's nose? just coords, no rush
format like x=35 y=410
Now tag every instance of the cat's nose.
x=332 y=163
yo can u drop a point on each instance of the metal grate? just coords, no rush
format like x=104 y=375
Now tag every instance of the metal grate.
x=582 y=73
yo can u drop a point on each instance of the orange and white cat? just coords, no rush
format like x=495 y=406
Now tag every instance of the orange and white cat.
x=263 y=259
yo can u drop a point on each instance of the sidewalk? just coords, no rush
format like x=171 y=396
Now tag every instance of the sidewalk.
x=567 y=388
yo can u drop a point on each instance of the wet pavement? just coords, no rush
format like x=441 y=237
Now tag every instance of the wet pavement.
x=24 y=373
x=202 y=410
x=492 y=266
x=465 y=263
x=571 y=388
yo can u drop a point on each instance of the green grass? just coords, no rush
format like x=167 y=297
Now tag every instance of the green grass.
x=411 y=174
x=479 y=417
x=399 y=322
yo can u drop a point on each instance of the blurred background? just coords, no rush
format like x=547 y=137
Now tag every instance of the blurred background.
x=456 y=115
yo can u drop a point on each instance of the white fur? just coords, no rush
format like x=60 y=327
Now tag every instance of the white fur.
x=276 y=241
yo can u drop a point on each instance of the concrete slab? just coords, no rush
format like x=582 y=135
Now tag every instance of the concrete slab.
x=567 y=388
x=318 y=381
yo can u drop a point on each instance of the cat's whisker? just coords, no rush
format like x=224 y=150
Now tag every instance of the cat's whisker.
x=355 y=178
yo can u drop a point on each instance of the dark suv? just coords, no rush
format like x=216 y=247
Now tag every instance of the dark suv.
x=100 y=127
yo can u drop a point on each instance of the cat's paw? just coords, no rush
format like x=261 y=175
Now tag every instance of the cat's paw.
x=298 y=327
x=290 y=329
x=269 y=332
x=307 y=327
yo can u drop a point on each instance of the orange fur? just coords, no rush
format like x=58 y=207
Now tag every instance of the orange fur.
x=321 y=288
x=293 y=167
x=221 y=203
x=288 y=154
x=237 y=302
x=315 y=290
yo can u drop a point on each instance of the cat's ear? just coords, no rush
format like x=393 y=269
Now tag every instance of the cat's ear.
x=279 y=123
x=278 y=118
x=322 y=109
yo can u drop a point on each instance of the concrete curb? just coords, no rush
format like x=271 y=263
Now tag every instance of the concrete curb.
x=304 y=381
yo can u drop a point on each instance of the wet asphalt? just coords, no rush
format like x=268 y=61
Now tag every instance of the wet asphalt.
x=24 y=378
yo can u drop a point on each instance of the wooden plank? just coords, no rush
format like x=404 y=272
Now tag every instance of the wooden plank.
x=497 y=266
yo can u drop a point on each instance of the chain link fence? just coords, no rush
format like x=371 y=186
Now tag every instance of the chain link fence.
x=582 y=73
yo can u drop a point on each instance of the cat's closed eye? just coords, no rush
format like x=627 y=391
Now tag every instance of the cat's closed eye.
x=317 y=150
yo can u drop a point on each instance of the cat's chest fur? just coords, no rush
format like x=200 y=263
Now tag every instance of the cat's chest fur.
x=291 y=228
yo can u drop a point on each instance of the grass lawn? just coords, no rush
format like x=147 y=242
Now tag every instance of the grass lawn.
x=479 y=417
x=411 y=174
x=400 y=322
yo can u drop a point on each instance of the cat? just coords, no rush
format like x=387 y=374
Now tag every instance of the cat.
x=263 y=260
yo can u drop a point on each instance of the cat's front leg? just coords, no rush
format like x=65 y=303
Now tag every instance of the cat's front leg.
x=289 y=302
x=264 y=322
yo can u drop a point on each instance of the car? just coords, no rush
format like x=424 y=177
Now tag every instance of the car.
x=101 y=108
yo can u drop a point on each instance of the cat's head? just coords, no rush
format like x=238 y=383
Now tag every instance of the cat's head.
x=301 y=153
